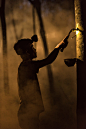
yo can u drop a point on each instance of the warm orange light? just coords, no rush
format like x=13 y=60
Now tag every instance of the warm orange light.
x=77 y=31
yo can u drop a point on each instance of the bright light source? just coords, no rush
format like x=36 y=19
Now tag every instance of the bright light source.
x=77 y=31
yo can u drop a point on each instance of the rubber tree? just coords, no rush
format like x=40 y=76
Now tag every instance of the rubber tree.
x=5 y=56
x=80 y=20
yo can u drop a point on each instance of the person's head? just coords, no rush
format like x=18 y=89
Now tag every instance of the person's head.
x=24 y=47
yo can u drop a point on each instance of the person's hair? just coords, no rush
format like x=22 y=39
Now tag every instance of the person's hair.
x=24 y=45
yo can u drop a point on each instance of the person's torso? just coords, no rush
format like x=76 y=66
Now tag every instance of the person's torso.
x=29 y=90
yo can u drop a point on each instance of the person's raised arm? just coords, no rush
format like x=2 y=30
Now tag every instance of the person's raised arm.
x=52 y=56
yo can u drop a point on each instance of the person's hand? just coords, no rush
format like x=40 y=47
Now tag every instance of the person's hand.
x=63 y=44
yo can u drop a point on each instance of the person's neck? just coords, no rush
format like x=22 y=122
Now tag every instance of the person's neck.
x=26 y=58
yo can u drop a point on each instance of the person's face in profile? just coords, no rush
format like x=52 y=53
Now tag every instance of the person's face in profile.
x=32 y=51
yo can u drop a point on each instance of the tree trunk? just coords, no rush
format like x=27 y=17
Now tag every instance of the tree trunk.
x=80 y=20
x=5 y=57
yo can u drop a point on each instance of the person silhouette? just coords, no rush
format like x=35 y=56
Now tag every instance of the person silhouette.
x=31 y=104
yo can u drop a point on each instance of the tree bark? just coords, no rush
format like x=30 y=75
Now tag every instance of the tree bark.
x=80 y=20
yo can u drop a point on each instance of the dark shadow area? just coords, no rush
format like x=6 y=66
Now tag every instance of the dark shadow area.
x=51 y=21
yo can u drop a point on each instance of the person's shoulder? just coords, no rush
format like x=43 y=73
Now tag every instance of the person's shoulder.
x=29 y=63
x=24 y=64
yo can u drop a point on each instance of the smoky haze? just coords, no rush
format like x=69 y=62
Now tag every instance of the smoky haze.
x=58 y=19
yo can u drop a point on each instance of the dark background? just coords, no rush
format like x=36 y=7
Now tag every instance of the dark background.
x=58 y=19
